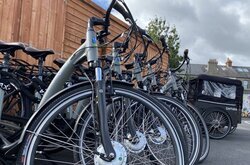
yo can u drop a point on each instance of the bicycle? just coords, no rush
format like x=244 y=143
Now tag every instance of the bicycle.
x=186 y=118
x=178 y=87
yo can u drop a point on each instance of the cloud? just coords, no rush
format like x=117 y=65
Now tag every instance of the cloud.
x=209 y=28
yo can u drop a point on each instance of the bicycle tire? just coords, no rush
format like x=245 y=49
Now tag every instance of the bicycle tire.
x=14 y=112
x=189 y=124
x=205 y=134
x=79 y=92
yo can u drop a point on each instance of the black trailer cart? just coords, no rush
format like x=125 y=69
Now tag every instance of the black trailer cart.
x=220 y=102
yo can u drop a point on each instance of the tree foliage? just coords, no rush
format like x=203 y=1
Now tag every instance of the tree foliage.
x=157 y=27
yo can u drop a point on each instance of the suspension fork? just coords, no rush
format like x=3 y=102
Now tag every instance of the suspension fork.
x=117 y=69
x=101 y=111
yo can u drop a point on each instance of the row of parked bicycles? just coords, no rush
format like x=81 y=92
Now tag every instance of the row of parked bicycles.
x=108 y=111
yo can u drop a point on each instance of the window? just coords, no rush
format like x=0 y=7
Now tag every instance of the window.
x=245 y=69
x=239 y=70
x=242 y=69
x=218 y=90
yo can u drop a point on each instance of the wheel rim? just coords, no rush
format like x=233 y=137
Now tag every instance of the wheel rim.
x=140 y=150
x=218 y=124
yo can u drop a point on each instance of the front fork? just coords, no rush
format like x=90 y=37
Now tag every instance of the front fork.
x=101 y=111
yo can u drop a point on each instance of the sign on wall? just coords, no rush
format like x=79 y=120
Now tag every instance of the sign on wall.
x=246 y=105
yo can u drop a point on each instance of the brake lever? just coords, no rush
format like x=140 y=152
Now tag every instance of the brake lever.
x=101 y=34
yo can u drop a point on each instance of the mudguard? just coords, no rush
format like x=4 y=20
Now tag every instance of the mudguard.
x=47 y=103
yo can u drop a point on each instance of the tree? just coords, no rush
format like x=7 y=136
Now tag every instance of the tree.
x=157 y=27
x=174 y=45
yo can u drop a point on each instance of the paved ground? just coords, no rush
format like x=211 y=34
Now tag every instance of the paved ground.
x=233 y=149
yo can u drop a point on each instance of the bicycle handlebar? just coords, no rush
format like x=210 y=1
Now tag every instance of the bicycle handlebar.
x=121 y=10
x=163 y=43
x=185 y=58
x=127 y=17
x=105 y=22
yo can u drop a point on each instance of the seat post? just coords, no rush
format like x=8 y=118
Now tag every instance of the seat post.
x=6 y=60
x=40 y=67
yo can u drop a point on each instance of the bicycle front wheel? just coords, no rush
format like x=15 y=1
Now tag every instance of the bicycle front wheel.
x=189 y=124
x=154 y=138
x=205 y=133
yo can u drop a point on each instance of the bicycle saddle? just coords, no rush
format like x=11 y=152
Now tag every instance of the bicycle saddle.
x=128 y=72
x=36 y=53
x=59 y=62
x=129 y=66
x=10 y=47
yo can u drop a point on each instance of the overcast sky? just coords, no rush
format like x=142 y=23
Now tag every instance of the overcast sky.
x=210 y=29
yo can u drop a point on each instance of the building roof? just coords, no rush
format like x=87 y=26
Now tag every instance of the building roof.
x=222 y=70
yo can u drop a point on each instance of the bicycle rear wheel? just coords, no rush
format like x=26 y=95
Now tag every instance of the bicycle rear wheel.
x=157 y=139
x=15 y=106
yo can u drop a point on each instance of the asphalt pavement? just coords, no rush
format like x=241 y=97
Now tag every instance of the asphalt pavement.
x=233 y=149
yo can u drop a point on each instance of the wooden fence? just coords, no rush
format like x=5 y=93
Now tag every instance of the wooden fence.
x=55 y=24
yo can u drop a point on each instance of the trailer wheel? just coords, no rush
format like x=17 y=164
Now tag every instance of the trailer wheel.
x=218 y=123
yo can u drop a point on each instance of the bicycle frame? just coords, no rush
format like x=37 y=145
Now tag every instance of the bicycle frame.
x=1 y=101
x=171 y=83
x=88 y=50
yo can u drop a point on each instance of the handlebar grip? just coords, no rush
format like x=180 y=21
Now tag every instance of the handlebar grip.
x=163 y=42
x=97 y=21
x=185 y=56
x=121 y=10
x=126 y=16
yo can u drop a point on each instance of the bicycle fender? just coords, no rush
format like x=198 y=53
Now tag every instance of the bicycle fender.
x=43 y=106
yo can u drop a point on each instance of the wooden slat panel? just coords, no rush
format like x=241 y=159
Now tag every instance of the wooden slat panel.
x=35 y=23
x=25 y=25
x=77 y=16
x=56 y=24
x=51 y=23
x=60 y=25
x=8 y=18
x=16 y=20
x=42 y=26
x=1 y=15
